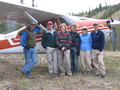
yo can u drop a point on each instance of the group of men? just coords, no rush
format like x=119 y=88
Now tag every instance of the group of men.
x=62 y=49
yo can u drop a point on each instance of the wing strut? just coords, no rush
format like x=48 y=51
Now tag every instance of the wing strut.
x=33 y=19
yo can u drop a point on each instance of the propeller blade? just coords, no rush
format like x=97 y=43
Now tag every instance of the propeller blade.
x=112 y=19
x=114 y=34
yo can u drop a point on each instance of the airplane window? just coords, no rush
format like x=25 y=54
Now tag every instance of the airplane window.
x=55 y=26
x=68 y=19
x=62 y=20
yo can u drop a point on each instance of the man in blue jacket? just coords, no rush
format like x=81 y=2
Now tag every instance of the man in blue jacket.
x=98 y=41
x=28 y=41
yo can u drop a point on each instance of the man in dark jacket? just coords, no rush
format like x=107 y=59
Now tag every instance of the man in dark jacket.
x=48 y=42
x=75 y=49
x=98 y=41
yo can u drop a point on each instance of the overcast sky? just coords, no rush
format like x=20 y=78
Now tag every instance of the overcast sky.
x=66 y=6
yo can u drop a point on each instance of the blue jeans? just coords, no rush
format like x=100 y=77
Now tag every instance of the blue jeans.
x=74 y=60
x=30 y=60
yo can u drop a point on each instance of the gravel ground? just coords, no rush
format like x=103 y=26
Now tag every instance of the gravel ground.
x=12 y=79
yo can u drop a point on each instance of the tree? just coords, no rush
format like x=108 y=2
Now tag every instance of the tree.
x=3 y=28
x=89 y=11
x=18 y=27
x=100 y=7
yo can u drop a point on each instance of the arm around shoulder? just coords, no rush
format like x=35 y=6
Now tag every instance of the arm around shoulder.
x=37 y=30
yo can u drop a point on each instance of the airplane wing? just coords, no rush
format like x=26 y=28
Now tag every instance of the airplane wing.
x=17 y=14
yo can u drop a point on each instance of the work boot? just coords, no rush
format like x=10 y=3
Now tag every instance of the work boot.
x=69 y=74
x=88 y=73
x=103 y=76
x=30 y=77
x=23 y=73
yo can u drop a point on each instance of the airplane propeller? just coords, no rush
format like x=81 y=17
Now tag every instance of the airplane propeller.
x=114 y=34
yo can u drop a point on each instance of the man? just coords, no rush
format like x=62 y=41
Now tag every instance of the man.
x=48 y=42
x=98 y=41
x=75 y=49
x=28 y=41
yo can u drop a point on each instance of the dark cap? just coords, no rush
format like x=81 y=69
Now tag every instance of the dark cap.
x=95 y=23
x=49 y=23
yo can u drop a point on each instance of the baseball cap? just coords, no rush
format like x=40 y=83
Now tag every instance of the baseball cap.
x=49 y=23
x=84 y=28
x=32 y=23
x=95 y=23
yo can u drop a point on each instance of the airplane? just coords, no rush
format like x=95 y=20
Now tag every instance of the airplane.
x=23 y=15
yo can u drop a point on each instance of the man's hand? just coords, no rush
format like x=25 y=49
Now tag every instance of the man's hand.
x=78 y=53
x=27 y=47
x=99 y=53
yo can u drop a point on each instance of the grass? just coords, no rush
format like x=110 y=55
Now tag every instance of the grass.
x=11 y=78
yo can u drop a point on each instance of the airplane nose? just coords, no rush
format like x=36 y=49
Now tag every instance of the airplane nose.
x=115 y=24
x=112 y=24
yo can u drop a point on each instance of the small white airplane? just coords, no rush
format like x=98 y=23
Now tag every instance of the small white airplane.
x=20 y=14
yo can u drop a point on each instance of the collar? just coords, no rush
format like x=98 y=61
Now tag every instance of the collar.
x=96 y=32
x=51 y=31
x=85 y=34
x=73 y=31
x=62 y=32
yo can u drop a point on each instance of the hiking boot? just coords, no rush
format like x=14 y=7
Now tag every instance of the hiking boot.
x=23 y=73
x=88 y=73
x=102 y=76
x=30 y=77
x=75 y=73
x=69 y=74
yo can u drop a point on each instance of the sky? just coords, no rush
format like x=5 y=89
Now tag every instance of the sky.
x=66 y=6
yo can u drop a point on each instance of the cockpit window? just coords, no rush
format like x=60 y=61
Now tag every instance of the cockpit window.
x=68 y=19
x=62 y=20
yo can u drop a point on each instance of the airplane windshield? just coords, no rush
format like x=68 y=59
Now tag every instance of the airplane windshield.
x=68 y=19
